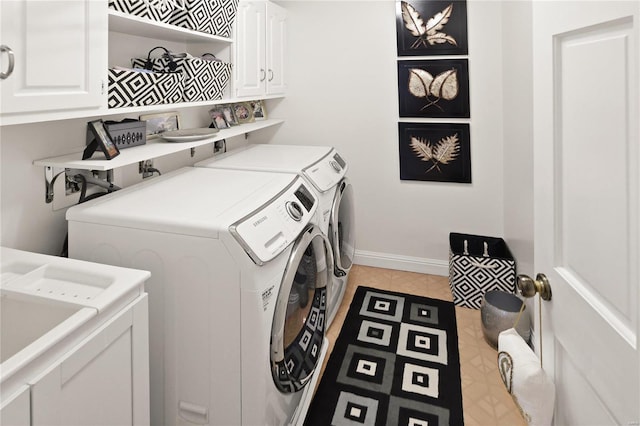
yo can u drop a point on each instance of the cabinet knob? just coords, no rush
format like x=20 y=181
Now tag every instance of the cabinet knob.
x=270 y=74
x=9 y=52
x=263 y=74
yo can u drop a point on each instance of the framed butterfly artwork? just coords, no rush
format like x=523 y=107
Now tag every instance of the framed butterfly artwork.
x=438 y=152
x=431 y=27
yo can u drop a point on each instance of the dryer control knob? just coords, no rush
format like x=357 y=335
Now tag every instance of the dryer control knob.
x=335 y=165
x=294 y=210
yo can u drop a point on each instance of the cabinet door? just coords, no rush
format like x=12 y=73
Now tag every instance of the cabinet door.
x=250 y=67
x=103 y=381
x=15 y=410
x=60 y=50
x=276 y=38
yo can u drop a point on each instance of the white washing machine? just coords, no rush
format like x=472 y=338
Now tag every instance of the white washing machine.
x=235 y=334
x=325 y=170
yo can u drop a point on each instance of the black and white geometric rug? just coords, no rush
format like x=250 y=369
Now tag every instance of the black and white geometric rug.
x=395 y=362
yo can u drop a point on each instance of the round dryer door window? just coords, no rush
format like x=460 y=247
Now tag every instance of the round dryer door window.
x=298 y=327
x=342 y=228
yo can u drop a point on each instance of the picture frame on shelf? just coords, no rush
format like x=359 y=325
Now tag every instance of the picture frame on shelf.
x=101 y=139
x=243 y=112
x=162 y=122
x=227 y=110
x=218 y=118
x=259 y=110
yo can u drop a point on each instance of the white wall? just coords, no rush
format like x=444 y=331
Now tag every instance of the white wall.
x=28 y=223
x=518 y=131
x=343 y=92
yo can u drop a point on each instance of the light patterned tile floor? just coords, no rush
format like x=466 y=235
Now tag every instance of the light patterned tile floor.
x=484 y=398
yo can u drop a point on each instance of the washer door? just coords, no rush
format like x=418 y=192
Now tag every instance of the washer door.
x=299 y=321
x=342 y=228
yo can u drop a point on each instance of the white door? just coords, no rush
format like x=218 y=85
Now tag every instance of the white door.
x=60 y=55
x=586 y=156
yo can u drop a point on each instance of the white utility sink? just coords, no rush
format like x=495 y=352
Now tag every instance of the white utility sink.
x=24 y=320
x=48 y=302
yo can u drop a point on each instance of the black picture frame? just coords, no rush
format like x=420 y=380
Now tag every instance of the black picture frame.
x=426 y=88
x=416 y=39
x=436 y=152
x=100 y=138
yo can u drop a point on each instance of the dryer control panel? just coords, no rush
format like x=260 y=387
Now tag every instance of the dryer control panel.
x=326 y=173
x=270 y=229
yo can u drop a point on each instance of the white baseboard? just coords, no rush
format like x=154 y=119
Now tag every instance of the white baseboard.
x=402 y=263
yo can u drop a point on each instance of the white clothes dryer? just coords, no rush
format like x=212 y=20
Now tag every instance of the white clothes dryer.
x=235 y=334
x=325 y=170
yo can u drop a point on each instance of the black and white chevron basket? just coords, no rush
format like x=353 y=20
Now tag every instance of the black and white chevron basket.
x=130 y=88
x=156 y=10
x=203 y=80
x=478 y=264
x=208 y=16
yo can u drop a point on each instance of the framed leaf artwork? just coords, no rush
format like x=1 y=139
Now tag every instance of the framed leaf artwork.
x=431 y=27
x=434 y=88
x=435 y=152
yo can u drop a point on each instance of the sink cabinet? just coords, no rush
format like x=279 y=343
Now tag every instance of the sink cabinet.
x=16 y=409
x=75 y=342
x=260 y=49
x=58 y=49
x=103 y=380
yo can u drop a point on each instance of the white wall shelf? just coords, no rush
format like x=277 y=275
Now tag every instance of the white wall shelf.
x=166 y=107
x=152 y=149
x=106 y=112
x=133 y=25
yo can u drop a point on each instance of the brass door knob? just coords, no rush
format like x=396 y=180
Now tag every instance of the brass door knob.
x=529 y=287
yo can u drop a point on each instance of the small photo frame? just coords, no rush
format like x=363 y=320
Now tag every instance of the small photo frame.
x=227 y=110
x=160 y=123
x=243 y=112
x=102 y=140
x=218 y=118
x=259 y=111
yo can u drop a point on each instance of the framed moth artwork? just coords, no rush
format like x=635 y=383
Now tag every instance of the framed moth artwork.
x=431 y=27
x=435 y=88
x=437 y=152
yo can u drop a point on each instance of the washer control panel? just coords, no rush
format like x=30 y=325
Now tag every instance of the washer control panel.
x=326 y=173
x=269 y=230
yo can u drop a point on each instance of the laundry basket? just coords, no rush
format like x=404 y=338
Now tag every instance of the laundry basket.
x=478 y=264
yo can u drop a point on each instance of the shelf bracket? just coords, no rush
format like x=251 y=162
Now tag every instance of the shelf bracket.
x=50 y=176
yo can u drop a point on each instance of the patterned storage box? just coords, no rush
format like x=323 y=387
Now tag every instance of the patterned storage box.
x=203 y=80
x=478 y=264
x=208 y=16
x=157 y=10
x=130 y=88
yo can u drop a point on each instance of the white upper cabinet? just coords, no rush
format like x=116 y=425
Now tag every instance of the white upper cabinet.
x=59 y=54
x=260 y=49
